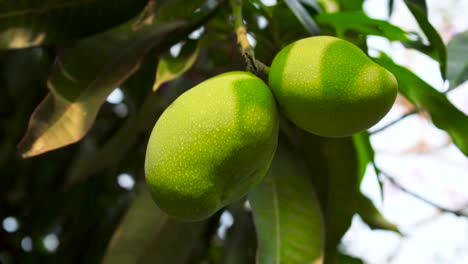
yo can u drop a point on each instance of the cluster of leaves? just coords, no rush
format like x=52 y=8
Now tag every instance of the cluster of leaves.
x=71 y=56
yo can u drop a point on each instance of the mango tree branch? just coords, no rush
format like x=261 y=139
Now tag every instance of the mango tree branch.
x=459 y=212
x=246 y=48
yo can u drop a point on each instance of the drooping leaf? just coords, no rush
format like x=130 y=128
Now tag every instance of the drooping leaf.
x=371 y=215
x=170 y=67
x=343 y=186
x=147 y=235
x=303 y=16
x=334 y=168
x=286 y=213
x=420 y=4
x=88 y=71
x=457 y=64
x=30 y=23
x=360 y=22
x=436 y=48
x=365 y=152
x=443 y=114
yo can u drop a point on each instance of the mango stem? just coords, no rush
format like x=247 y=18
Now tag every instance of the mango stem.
x=247 y=51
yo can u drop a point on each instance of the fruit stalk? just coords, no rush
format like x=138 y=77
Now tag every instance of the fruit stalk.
x=247 y=51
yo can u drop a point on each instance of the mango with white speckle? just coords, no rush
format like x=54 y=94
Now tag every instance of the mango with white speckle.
x=212 y=145
x=329 y=87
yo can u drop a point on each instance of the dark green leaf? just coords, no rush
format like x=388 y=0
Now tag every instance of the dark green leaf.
x=303 y=16
x=343 y=186
x=88 y=71
x=390 y=7
x=444 y=115
x=372 y=217
x=360 y=22
x=436 y=48
x=30 y=23
x=334 y=169
x=420 y=4
x=346 y=259
x=170 y=67
x=147 y=235
x=365 y=152
x=287 y=213
x=350 y=5
x=314 y=4
x=457 y=64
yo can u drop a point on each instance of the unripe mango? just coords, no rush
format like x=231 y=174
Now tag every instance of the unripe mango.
x=212 y=145
x=329 y=87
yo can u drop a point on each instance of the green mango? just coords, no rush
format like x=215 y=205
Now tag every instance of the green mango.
x=212 y=145
x=329 y=87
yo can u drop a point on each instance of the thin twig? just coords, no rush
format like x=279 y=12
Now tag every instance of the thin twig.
x=415 y=111
x=421 y=198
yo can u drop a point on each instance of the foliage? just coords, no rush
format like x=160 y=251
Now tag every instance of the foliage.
x=59 y=61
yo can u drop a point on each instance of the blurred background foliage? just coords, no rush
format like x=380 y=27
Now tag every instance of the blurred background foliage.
x=79 y=196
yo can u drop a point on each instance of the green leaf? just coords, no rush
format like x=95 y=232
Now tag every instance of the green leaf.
x=147 y=235
x=365 y=152
x=420 y=4
x=334 y=169
x=343 y=187
x=358 y=21
x=346 y=259
x=88 y=71
x=314 y=4
x=436 y=48
x=444 y=115
x=30 y=23
x=366 y=156
x=457 y=64
x=287 y=213
x=390 y=7
x=371 y=215
x=170 y=67
x=303 y=16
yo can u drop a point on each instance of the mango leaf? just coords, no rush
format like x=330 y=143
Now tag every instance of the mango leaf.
x=421 y=4
x=314 y=4
x=457 y=64
x=30 y=23
x=88 y=71
x=346 y=259
x=444 y=115
x=303 y=16
x=436 y=48
x=334 y=169
x=358 y=21
x=365 y=152
x=371 y=215
x=170 y=67
x=343 y=186
x=147 y=235
x=390 y=7
x=286 y=213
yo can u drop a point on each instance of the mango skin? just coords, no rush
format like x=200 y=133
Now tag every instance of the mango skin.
x=212 y=145
x=329 y=87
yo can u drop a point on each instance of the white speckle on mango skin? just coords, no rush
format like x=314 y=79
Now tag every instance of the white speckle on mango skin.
x=212 y=145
